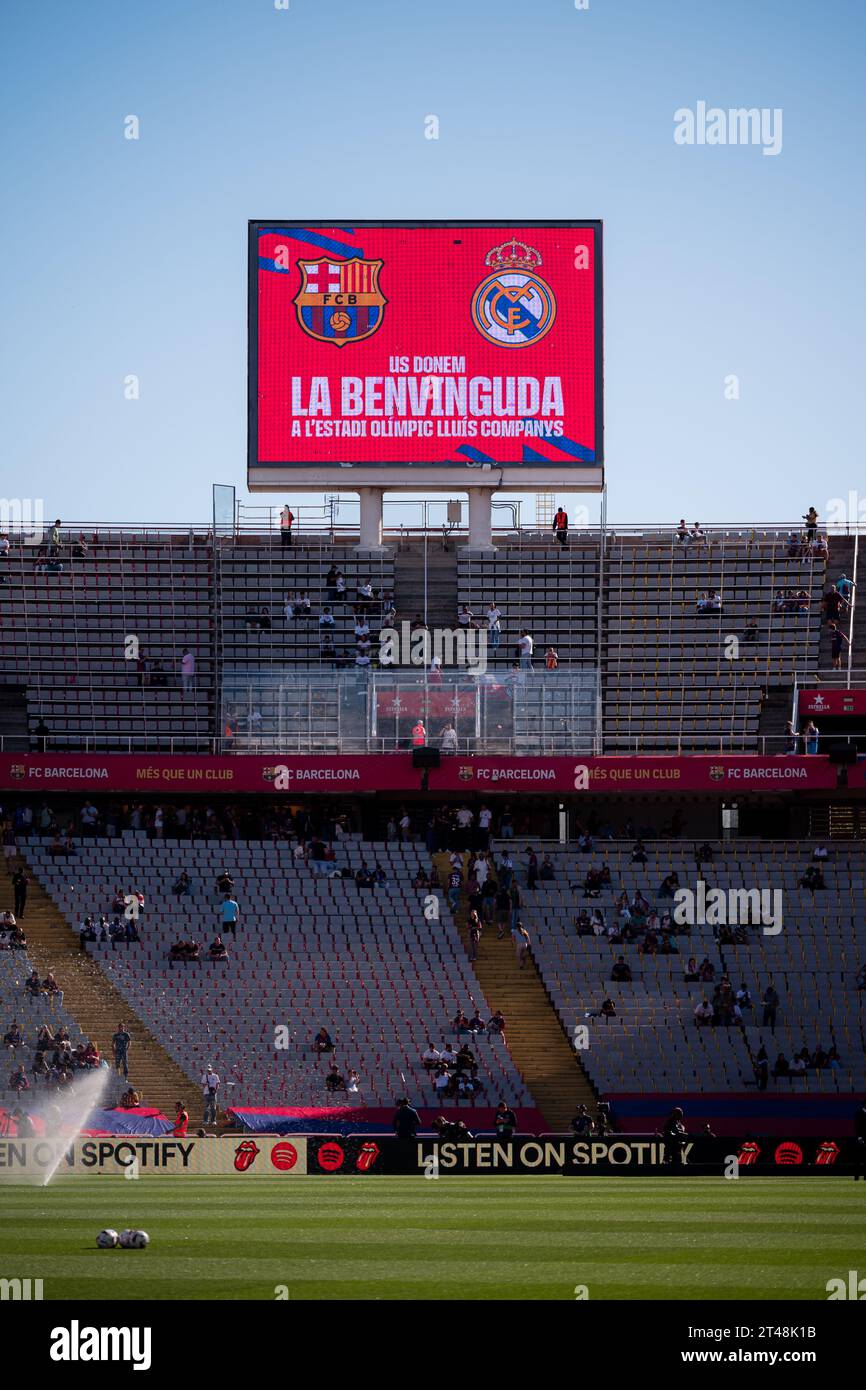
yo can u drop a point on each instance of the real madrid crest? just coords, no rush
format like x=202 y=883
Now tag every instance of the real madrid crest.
x=513 y=307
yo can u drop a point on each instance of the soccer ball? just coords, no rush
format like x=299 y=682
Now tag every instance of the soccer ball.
x=134 y=1240
x=106 y=1240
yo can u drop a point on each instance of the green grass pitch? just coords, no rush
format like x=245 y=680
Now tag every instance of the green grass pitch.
x=455 y=1237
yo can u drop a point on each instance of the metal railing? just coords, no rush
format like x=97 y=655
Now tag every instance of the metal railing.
x=297 y=742
x=318 y=521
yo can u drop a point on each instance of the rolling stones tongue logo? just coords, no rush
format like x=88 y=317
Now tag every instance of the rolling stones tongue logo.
x=828 y=1152
x=246 y=1155
x=367 y=1156
x=749 y=1154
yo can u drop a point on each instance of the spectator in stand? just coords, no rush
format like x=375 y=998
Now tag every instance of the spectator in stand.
x=322 y=1042
x=120 y=1043
x=51 y=988
x=182 y=886
x=431 y=1057
x=813 y=878
x=560 y=527
x=225 y=883
x=455 y=885
x=210 y=1084
x=638 y=854
x=287 y=518
x=551 y=659
x=448 y=741
x=696 y=535
x=811 y=520
x=770 y=1000
x=18 y=1081
x=494 y=624
x=217 y=950
x=704 y=1012
x=522 y=942
x=531 y=868
x=669 y=885
x=525 y=646
x=837 y=639
x=496 y=1023
x=465 y=617
x=682 y=532
x=229 y=914
x=621 y=972
x=187 y=670
x=792 y=738
x=12 y=1038
x=419 y=734
x=89 y=817
x=474 y=930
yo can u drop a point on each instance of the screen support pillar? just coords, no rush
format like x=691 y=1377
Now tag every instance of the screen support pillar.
x=370 y=537
x=480 y=518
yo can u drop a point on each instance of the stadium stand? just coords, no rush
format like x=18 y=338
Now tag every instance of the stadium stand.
x=653 y=1043
x=623 y=615
x=310 y=951
x=668 y=684
x=65 y=641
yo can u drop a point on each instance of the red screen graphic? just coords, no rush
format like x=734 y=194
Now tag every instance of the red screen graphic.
x=457 y=345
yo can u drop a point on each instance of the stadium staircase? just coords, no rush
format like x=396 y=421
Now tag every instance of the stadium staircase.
x=536 y=1038
x=441 y=595
x=97 y=1006
x=14 y=729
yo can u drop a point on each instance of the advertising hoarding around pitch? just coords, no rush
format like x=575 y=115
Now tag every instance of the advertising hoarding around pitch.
x=434 y=354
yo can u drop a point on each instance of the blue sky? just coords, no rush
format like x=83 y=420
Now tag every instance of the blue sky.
x=129 y=257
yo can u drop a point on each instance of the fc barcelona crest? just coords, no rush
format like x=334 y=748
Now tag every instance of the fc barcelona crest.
x=340 y=302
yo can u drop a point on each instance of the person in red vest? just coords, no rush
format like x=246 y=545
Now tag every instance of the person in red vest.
x=181 y=1120
x=287 y=517
x=560 y=526
x=419 y=734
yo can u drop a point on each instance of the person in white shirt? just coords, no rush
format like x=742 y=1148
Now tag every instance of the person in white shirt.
x=494 y=625
x=353 y=1083
x=431 y=1056
x=442 y=1081
x=465 y=817
x=449 y=739
x=210 y=1084
x=485 y=820
x=448 y=1055
x=327 y=619
x=525 y=647
x=187 y=670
